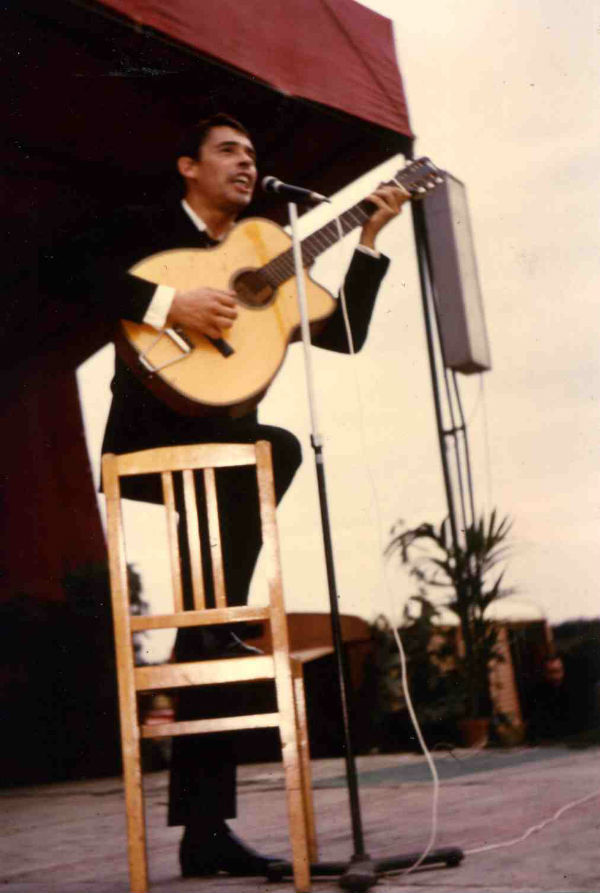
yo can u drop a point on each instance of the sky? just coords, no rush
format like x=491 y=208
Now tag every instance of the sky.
x=505 y=97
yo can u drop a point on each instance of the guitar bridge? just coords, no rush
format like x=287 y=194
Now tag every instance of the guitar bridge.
x=185 y=345
x=182 y=341
x=178 y=338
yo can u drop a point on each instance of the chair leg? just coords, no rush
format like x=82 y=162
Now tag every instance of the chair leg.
x=134 y=806
x=297 y=816
x=303 y=741
x=292 y=764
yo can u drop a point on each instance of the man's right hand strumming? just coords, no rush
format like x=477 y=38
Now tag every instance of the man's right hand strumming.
x=204 y=309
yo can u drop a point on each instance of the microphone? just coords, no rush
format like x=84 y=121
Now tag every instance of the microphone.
x=293 y=193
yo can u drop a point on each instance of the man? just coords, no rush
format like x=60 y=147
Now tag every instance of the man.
x=560 y=708
x=218 y=167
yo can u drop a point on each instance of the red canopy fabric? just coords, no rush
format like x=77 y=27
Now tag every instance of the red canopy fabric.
x=334 y=52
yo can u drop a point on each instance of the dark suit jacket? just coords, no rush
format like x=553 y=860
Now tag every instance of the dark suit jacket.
x=99 y=277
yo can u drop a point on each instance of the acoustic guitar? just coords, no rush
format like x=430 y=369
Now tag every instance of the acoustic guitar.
x=197 y=375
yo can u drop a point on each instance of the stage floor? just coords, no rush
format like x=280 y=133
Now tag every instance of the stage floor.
x=70 y=838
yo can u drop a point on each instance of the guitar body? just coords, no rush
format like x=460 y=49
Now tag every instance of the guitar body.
x=196 y=375
x=205 y=380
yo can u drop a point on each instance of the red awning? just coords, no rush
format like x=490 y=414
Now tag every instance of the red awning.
x=334 y=52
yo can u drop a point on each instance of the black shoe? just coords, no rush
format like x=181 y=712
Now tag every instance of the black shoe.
x=209 y=853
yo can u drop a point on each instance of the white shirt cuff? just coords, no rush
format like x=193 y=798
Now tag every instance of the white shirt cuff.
x=372 y=251
x=159 y=307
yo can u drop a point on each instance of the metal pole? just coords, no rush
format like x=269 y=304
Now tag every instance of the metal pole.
x=426 y=293
x=418 y=220
x=336 y=631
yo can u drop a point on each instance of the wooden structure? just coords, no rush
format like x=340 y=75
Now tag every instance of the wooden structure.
x=277 y=665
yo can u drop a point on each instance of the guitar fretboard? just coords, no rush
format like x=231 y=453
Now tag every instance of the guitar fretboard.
x=281 y=268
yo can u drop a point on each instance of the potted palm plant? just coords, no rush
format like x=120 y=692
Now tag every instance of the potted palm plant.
x=467 y=577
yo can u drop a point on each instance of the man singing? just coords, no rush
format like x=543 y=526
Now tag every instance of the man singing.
x=217 y=163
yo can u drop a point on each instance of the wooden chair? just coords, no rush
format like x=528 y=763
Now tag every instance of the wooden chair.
x=278 y=666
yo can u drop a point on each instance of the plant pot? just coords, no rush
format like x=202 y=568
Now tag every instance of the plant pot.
x=474 y=732
x=510 y=734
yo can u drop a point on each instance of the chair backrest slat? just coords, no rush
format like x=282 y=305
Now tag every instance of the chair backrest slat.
x=193 y=534
x=189 y=460
x=173 y=540
x=178 y=458
x=214 y=534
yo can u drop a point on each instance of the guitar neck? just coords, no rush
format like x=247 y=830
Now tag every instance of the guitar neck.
x=329 y=234
x=281 y=268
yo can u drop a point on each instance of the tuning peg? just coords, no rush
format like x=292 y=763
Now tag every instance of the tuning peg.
x=439 y=180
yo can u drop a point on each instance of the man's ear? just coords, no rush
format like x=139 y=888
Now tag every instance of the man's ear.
x=185 y=166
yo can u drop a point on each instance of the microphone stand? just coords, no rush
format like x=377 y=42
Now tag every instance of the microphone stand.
x=361 y=872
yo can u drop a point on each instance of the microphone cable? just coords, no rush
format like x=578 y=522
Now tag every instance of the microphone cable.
x=397 y=638
x=532 y=830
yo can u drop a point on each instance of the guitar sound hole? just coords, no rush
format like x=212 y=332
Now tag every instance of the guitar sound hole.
x=252 y=288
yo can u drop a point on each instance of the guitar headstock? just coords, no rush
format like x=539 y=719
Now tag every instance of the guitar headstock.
x=419 y=177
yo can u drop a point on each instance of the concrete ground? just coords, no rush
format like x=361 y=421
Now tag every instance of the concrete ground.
x=70 y=838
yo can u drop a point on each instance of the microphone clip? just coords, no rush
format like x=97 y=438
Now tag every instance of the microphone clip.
x=292 y=193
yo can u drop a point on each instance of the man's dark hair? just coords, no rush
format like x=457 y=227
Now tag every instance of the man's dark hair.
x=195 y=136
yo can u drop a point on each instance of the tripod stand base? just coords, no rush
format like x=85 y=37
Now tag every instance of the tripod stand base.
x=362 y=872
x=359 y=875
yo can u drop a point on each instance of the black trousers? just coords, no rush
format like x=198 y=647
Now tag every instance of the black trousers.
x=203 y=767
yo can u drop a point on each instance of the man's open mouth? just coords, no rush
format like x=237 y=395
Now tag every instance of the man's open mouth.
x=243 y=180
